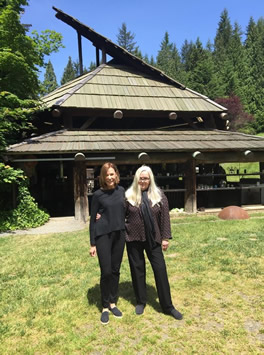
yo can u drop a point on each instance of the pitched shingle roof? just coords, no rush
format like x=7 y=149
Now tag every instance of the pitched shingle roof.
x=125 y=83
x=112 y=86
x=137 y=141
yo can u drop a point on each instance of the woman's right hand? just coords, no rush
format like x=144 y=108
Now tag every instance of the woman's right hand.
x=98 y=216
x=93 y=251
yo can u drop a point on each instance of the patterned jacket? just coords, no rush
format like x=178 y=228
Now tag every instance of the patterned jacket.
x=135 y=230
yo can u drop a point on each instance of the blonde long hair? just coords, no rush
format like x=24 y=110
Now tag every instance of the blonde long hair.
x=133 y=193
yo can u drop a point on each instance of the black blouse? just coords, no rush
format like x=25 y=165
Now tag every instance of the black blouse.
x=110 y=204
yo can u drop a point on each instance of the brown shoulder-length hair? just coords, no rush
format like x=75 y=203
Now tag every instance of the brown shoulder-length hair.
x=103 y=173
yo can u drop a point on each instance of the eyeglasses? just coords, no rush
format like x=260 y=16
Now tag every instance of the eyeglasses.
x=143 y=179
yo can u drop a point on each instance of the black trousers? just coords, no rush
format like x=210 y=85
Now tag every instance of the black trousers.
x=135 y=252
x=110 y=249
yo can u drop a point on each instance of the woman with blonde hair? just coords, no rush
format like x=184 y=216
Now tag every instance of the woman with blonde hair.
x=148 y=229
x=107 y=236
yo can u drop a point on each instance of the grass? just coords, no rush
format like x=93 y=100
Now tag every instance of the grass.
x=50 y=299
x=249 y=168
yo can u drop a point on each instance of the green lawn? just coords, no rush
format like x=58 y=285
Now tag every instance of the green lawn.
x=50 y=294
x=243 y=168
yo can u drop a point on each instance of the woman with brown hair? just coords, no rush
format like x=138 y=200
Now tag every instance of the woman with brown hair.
x=107 y=237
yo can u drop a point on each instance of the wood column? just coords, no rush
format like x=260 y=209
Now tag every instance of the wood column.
x=190 y=198
x=103 y=56
x=261 y=169
x=67 y=120
x=80 y=52
x=97 y=57
x=81 y=206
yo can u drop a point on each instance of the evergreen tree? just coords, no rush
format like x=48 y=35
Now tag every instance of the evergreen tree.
x=152 y=61
x=255 y=76
x=165 y=53
x=50 y=82
x=137 y=52
x=77 y=69
x=168 y=59
x=126 y=39
x=92 y=66
x=185 y=55
x=201 y=71
x=222 y=55
x=69 y=72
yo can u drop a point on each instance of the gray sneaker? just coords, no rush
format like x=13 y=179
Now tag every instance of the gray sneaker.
x=116 y=312
x=105 y=317
x=139 y=309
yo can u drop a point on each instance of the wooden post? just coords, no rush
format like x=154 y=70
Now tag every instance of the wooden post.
x=80 y=192
x=261 y=169
x=103 y=56
x=97 y=57
x=80 y=52
x=67 y=120
x=190 y=198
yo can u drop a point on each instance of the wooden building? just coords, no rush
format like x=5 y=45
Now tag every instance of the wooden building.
x=128 y=112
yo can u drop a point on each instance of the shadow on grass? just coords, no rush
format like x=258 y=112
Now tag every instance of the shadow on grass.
x=126 y=292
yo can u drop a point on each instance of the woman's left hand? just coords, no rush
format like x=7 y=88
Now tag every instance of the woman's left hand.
x=165 y=245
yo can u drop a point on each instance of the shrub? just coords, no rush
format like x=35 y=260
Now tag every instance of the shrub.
x=26 y=214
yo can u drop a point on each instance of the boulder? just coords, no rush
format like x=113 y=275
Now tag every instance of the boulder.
x=233 y=212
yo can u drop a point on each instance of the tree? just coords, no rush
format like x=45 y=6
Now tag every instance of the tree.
x=126 y=38
x=20 y=54
x=15 y=117
x=239 y=119
x=222 y=52
x=77 y=69
x=92 y=66
x=254 y=94
x=69 y=72
x=19 y=57
x=50 y=82
x=168 y=59
x=200 y=68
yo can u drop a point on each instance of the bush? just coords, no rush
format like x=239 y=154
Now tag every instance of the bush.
x=26 y=214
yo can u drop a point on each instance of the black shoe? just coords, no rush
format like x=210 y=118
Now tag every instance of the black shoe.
x=176 y=314
x=140 y=309
x=105 y=317
x=116 y=312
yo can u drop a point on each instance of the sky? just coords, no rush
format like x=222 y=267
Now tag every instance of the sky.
x=147 y=19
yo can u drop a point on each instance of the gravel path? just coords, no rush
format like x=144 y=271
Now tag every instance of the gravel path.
x=54 y=225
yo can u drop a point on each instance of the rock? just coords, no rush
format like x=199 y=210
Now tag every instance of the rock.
x=233 y=212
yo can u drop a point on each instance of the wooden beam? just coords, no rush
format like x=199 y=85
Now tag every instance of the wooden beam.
x=230 y=157
x=81 y=206
x=67 y=120
x=103 y=56
x=80 y=52
x=261 y=169
x=209 y=121
x=190 y=197
x=97 y=57
x=88 y=123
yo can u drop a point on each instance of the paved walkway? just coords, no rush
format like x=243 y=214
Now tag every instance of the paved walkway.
x=54 y=225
